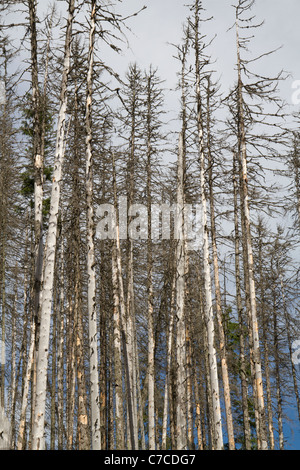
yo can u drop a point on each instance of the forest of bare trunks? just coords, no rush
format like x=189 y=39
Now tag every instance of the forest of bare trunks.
x=129 y=342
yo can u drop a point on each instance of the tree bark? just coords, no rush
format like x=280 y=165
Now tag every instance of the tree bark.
x=222 y=346
x=180 y=305
x=40 y=407
x=93 y=343
x=249 y=253
x=243 y=373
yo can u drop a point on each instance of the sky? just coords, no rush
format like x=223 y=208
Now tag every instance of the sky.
x=161 y=24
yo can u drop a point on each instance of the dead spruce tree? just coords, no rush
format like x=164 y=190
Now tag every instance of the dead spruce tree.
x=93 y=344
x=217 y=423
x=47 y=292
x=253 y=94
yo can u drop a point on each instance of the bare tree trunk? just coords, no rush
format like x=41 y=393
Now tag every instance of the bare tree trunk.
x=123 y=322
x=130 y=307
x=265 y=318
x=93 y=344
x=71 y=374
x=151 y=344
x=82 y=418
x=201 y=441
x=40 y=407
x=248 y=243
x=170 y=339
x=277 y=369
x=60 y=348
x=26 y=385
x=13 y=371
x=119 y=419
x=189 y=367
x=38 y=160
x=207 y=397
x=54 y=370
x=222 y=346
x=243 y=373
x=38 y=149
x=205 y=393
x=217 y=423
x=218 y=434
x=3 y=304
x=180 y=306
x=25 y=373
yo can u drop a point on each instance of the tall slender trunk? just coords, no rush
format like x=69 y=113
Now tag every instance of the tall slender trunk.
x=53 y=369
x=26 y=386
x=60 y=347
x=25 y=372
x=117 y=340
x=277 y=365
x=126 y=340
x=243 y=373
x=151 y=368
x=207 y=394
x=38 y=151
x=218 y=434
x=13 y=380
x=71 y=374
x=189 y=385
x=170 y=338
x=199 y=413
x=38 y=159
x=93 y=343
x=130 y=308
x=82 y=417
x=3 y=242
x=249 y=253
x=180 y=305
x=222 y=346
x=209 y=316
x=3 y=320
x=263 y=316
x=40 y=405
x=151 y=343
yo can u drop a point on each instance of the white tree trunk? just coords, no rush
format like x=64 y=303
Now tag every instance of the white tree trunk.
x=249 y=253
x=60 y=349
x=209 y=317
x=93 y=344
x=212 y=357
x=5 y=430
x=169 y=360
x=47 y=291
x=26 y=385
x=126 y=340
x=180 y=304
x=117 y=355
